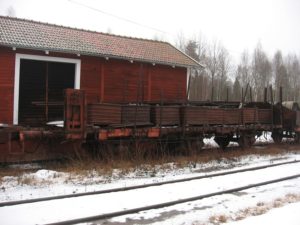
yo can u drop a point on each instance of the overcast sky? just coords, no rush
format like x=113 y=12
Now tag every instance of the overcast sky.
x=237 y=24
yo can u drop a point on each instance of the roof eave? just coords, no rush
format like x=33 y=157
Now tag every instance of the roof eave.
x=68 y=51
x=201 y=66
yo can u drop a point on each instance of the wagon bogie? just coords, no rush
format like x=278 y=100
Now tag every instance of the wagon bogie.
x=223 y=140
x=277 y=136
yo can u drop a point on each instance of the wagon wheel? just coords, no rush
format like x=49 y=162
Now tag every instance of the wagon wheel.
x=222 y=141
x=277 y=137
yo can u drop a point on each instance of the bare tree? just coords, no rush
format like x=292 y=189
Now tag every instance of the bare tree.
x=212 y=66
x=191 y=49
x=280 y=75
x=181 y=41
x=196 y=49
x=218 y=63
x=255 y=70
x=195 y=85
x=223 y=71
x=199 y=86
x=237 y=89
x=293 y=72
x=244 y=70
x=261 y=72
x=202 y=47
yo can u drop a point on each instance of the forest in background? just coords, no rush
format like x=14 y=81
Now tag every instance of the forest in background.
x=222 y=80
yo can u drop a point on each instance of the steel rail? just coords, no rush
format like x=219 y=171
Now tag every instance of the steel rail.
x=170 y=203
x=26 y=201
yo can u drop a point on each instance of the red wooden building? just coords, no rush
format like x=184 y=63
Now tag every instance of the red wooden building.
x=39 y=60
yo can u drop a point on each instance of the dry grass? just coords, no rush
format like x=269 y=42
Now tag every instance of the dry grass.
x=222 y=219
x=32 y=181
x=218 y=219
x=263 y=207
x=12 y=172
x=259 y=209
x=89 y=166
x=212 y=219
x=278 y=203
x=260 y=204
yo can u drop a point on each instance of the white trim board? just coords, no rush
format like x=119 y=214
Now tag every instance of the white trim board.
x=77 y=63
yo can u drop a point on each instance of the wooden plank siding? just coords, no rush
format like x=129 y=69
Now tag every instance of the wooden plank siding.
x=90 y=78
x=7 y=72
x=168 y=84
x=106 y=81
x=125 y=82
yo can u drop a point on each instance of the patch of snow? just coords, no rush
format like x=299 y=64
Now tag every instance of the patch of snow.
x=264 y=138
x=288 y=214
x=59 y=123
x=46 y=174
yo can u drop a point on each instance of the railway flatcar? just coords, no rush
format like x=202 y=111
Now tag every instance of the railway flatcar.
x=102 y=124
x=68 y=91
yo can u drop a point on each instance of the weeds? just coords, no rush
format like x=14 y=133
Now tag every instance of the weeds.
x=259 y=209
x=263 y=207
x=218 y=219
x=141 y=162
x=260 y=204
x=32 y=181
x=26 y=181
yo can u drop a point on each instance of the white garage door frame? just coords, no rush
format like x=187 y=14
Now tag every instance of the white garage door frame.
x=77 y=63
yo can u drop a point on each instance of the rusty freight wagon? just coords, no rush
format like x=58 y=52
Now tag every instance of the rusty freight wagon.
x=62 y=89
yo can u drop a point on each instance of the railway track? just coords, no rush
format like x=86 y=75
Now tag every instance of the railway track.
x=171 y=203
x=119 y=211
x=112 y=194
x=20 y=202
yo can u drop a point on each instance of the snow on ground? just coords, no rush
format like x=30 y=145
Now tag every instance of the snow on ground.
x=288 y=214
x=219 y=208
x=225 y=208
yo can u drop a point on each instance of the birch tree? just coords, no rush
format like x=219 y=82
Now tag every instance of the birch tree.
x=261 y=72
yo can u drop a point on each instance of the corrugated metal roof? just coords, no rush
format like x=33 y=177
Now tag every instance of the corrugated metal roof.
x=29 y=34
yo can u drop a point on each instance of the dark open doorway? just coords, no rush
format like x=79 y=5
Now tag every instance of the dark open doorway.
x=41 y=90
